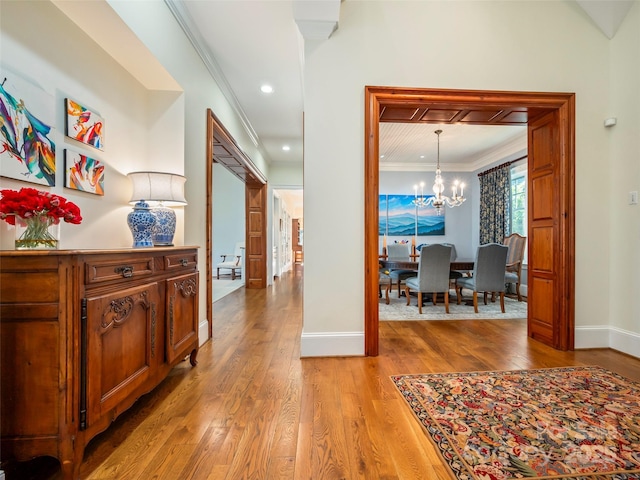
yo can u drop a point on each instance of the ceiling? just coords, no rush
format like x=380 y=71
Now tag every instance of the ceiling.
x=244 y=51
x=463 y=148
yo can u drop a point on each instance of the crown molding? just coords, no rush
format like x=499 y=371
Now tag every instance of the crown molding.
x=185 y=21
x=501 y=153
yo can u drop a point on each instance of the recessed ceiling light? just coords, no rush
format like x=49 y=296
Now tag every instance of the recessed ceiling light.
x=286 y=148
x=266 y=89
x=381 y=156
x=421 y=156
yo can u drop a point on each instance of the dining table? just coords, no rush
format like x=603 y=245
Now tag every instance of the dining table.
x=461 y=265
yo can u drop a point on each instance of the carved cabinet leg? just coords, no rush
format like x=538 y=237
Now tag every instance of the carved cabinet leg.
x=192 y=357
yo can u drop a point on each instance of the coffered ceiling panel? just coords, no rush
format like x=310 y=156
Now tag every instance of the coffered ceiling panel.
x=462 y=114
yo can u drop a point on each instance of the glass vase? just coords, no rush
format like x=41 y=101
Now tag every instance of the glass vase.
x=38 y=232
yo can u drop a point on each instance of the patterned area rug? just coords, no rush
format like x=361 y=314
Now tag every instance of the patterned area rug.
x=398 y=309
x=579 y=423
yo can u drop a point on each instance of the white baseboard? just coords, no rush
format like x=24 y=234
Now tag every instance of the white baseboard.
x=592 y=337
x=604 y=336
x=332 y=344
x=624 y=341
x=203 y=332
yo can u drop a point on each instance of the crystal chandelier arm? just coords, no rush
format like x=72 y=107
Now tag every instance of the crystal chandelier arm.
x=439 y=200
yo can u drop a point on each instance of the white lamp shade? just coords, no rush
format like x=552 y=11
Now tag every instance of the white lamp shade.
x=158 y=187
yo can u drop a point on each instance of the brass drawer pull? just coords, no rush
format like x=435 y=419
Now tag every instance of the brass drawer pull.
x=126 y=271
x=184 y=262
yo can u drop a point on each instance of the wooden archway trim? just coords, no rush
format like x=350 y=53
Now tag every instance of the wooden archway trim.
x=555 y=325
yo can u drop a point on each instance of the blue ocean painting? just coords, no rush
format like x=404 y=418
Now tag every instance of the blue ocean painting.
x=401 y=220
x=382 y=212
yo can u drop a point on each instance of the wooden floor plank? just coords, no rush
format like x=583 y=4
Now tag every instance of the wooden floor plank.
x=329 y=449
x=252 y=408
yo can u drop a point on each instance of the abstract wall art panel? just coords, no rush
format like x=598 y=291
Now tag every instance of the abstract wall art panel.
x=83 y=173
x=84 y=125
x=27 y=113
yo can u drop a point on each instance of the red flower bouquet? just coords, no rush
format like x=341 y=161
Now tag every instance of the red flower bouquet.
x=36 y=211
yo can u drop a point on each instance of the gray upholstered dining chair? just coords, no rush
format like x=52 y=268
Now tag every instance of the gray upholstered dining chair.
x=433 y=274
x=488 y=274
x=453 y=274
x=399 y=252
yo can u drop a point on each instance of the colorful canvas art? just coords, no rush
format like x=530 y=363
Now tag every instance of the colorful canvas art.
x=83 y=173
x=84 y=125
x=27 y=112
x=400 y=217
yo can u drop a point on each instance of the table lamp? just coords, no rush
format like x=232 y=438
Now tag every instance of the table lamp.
x=159 y=191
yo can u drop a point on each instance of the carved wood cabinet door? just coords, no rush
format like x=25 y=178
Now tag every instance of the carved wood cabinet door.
x=182 y=315
x=123 y=332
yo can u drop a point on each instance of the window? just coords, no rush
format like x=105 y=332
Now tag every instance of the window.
x=519 y=198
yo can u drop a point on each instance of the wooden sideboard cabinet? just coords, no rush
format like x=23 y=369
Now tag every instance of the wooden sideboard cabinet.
x=85 y=333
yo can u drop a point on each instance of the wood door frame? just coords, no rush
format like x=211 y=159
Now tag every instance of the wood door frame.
x=563 y=103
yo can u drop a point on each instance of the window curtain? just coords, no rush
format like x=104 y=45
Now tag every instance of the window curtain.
x=495 y=204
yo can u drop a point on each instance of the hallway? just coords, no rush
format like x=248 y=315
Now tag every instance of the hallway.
x=252 y=409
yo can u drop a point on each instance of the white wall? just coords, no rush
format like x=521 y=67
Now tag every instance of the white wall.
x=137 y=120
x=496 y=46
x=284 y=176
x=624 y=159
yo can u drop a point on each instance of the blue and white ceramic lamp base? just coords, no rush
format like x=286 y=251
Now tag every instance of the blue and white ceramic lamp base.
x=165 y=226
x=151 y=227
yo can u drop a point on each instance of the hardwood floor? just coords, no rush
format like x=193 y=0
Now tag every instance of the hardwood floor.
x=252 y=409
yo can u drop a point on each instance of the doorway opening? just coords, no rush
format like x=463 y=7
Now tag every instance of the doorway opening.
x=408 y=157
x=550 y=121
x=228 y=231
x=288 y=228
x=221 y=148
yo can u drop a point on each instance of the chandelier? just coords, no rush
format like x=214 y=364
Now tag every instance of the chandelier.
x=439 y=200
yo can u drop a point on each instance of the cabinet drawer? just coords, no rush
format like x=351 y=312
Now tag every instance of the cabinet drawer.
x=181 y=261
x=113 y=270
